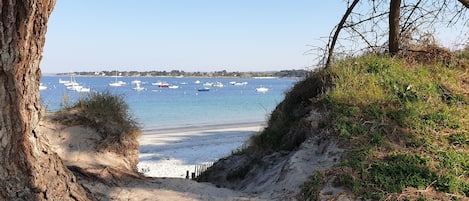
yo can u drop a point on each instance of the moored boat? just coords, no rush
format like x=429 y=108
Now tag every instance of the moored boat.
x=138 y=87
x=42 y=87
x=262 y=89
x=203 y=89
x=117 y=83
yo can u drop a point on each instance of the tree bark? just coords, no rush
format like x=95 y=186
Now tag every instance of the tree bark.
x=29 y=170
x=394 y=29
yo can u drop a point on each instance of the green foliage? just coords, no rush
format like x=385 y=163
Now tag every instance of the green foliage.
x=347 y=128
x=285 y=130
x=396 y=172
x=109 y=114
x=449 y=97
x=463 y=54
x=310 y=190
x=459 y=138
x=384 y=105
x=439 y=120
x=348 y=180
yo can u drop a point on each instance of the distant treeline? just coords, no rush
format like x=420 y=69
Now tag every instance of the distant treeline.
x=178 y=73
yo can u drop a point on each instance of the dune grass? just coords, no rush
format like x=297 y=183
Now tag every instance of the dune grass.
x=108 y=114
x=406 y=126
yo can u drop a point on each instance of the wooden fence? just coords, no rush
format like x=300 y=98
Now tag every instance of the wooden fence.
x=199 y=169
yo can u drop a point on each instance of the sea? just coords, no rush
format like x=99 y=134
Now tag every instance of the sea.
x=160 y=108
x=180 y=124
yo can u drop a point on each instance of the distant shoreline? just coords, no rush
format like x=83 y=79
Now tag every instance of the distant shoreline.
x=161 y=76
x=202 y=127
x=177 y=73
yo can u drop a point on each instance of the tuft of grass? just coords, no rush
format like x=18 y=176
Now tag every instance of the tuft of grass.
x=310 y=190
x=108 y=114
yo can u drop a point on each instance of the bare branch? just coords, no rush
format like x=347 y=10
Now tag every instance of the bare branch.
x=337 y=31
x=365 y=20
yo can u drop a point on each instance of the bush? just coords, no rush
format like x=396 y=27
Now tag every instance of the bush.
x=285 y=129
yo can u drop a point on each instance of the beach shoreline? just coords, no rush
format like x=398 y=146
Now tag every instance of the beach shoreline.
x=171 y=152
x=150 y=130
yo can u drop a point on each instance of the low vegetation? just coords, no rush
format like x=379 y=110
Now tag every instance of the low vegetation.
x=108 y=114
x=405 y=124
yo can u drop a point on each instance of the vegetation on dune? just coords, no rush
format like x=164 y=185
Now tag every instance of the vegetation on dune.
x=405 y=124
x=285 y=129
x=108 y=114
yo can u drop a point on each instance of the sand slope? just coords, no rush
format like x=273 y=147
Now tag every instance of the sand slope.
x=108 y=176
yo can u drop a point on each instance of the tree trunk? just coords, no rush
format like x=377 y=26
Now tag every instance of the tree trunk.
x=29 y=170
x=465 y=3
x=394 y=17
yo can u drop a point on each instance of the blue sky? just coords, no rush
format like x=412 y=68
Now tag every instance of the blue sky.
x=189 y=35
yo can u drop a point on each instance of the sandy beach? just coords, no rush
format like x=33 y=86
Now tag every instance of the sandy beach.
x=167 y=154
x=172 y=152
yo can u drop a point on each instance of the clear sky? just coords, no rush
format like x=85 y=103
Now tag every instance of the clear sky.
x=189 y=35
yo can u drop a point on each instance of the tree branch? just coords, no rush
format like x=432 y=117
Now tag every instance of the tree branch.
x=337 y=31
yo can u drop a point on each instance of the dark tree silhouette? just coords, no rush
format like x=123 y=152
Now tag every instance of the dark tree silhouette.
x=29 y=170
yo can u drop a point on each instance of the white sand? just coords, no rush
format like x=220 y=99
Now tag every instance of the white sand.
x=173 y=152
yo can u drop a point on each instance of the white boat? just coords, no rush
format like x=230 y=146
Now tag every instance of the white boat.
x=262 y=89
x=117 y=83
x=239 y=83
x=74 y=87
x=42 y=87
x=63 y=81
x=70 y=83
x=160 y=84
x=83 y=89
x=197 y=82
x=138 y=87
x=218 y=84
x=173 y=87
x=208 y=84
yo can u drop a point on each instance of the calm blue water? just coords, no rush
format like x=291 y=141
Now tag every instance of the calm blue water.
x=163 y=108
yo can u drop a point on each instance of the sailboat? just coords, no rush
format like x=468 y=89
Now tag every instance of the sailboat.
x=70 y=83
x=138 y=87
x=42 y=87
x=117 y=83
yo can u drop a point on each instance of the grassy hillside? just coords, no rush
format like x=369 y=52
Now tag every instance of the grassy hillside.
x=403 y=123
x=405 y=126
